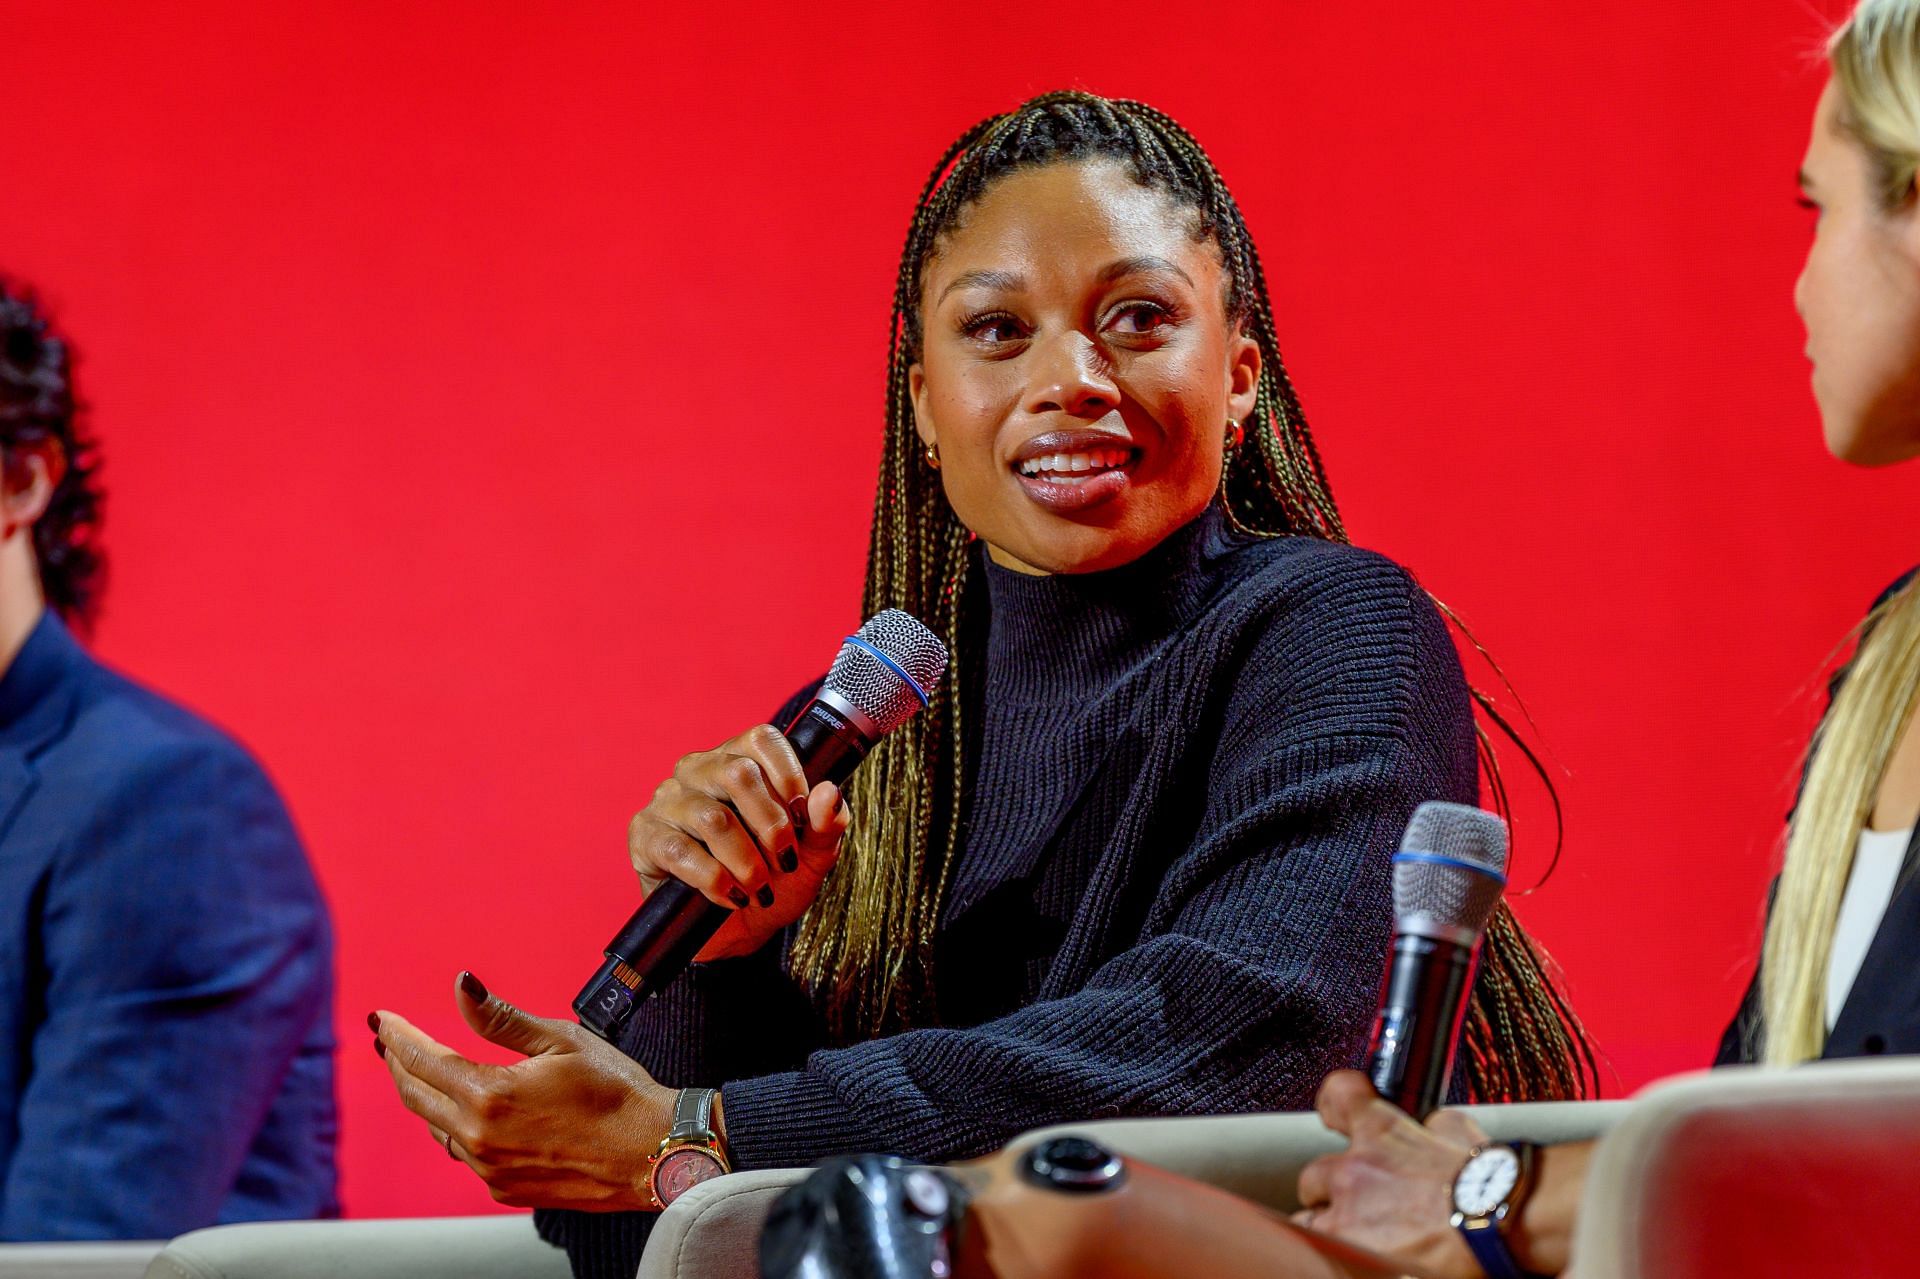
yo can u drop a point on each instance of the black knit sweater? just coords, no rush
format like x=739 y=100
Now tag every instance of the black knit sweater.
x=1173 y=891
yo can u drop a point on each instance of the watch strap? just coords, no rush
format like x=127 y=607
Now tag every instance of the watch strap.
x=1490 y=1249
x=692 y=1115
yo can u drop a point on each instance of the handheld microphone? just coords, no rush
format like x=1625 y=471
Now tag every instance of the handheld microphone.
x=881 y=676
x=1447 y=878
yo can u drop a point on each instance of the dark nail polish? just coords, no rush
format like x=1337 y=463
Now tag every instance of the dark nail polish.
x=765 y=895
x=739 y=897
x=373 y=1022
x=381 y=1049
x=789 y=861
x=797 y=813
x=473 y=988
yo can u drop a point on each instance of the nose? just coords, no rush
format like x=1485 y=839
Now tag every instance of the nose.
x=1070 y=375
x=1800 y=290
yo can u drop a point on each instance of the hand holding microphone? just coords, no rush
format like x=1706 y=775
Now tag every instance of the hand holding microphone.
x=725 y=825
x=718 y=829
x=1390 y=1190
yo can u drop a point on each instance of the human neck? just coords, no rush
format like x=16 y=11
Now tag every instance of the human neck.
x=21 y=599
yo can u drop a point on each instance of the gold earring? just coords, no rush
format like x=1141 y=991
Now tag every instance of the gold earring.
x=1236 y=434
x=933 y=456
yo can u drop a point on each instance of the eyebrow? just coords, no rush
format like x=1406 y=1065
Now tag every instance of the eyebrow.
x=1013 y=282
x=1145 y=265
x=1006 y=281
x=1805 y=181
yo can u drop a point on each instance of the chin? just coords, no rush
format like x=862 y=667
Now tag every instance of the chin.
x=1871 y=439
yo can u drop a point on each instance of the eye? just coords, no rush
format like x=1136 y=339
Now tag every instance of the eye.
x=1812 y=206
x=992 y=327
x=1138 y=318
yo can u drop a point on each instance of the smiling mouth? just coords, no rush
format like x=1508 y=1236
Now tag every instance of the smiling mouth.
x=1077 y=467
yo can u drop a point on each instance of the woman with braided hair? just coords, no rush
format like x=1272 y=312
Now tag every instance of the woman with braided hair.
x=1133 y=859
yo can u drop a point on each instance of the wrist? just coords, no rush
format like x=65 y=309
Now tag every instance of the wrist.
x=1540 y=1234
x=691 y=1149
x=1490 y=1191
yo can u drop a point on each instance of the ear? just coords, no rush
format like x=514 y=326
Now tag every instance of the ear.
x=1243 y=374
x=27 y=480
x=922 y=413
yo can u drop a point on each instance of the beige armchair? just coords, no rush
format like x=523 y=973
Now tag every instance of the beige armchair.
x=1809 y=1172
x=713 y=1231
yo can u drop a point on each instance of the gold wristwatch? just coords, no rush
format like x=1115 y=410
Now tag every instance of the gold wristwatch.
x=692 y=1151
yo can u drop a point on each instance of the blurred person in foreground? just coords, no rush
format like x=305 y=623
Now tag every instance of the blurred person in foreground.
x=1838 y=975
x=166 y=989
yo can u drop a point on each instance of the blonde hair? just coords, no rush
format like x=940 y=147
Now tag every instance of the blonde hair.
x=1875 y=57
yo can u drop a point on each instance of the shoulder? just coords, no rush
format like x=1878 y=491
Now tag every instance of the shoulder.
x=1314 y=603
x=1894 y=588
x=1866 y=628
x=129 y=746
x=1337 y=641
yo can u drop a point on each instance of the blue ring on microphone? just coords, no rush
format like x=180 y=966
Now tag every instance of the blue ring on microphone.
x=894 y=666
x=1435 y=859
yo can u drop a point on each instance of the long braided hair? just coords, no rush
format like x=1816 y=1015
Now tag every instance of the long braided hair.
x=866 y=946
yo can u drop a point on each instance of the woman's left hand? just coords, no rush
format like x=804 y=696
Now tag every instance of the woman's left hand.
x=572 y=1126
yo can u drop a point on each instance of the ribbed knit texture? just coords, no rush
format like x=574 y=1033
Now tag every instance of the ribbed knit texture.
x=1173 y=895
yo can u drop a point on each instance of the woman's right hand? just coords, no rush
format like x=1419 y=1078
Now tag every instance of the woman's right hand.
x=738 y=824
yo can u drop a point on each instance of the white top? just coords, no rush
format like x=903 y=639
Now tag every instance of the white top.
x=1876 y=865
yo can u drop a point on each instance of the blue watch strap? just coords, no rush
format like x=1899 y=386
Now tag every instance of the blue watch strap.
x=1490 y=1250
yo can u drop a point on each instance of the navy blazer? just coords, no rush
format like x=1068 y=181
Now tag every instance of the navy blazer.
x=166 y=1029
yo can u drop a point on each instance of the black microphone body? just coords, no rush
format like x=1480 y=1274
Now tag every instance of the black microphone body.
x=1422 y=1004
x=661 y=938
x=1447 y=880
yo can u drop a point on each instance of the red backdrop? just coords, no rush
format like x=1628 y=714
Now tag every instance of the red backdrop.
x=457 y=368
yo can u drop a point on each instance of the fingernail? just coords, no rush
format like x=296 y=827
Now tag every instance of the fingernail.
x=473 y=988
x=797 y=811
x=373 y=1022
x=739 y=897
x=381 y=1049
x=765 y=895
x=789 y=861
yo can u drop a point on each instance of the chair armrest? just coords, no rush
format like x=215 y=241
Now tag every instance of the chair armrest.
x=1259 y=1157
x=713 y=1231
x=77 y=1260
x=1747 y=1170
x=499 y=1247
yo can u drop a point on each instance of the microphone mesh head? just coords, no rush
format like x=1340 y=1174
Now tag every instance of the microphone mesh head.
x=1453 y=896
x=887 y=695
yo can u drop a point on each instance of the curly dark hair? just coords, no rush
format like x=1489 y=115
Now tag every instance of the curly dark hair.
x=37 y=404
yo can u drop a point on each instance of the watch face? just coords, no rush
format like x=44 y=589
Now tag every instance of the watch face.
x=1484 y=1184
x=681 y=1169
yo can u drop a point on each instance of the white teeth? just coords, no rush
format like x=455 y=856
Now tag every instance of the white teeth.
x=1063 y=464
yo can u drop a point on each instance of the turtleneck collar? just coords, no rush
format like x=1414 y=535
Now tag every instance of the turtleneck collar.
x=1063 y=635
